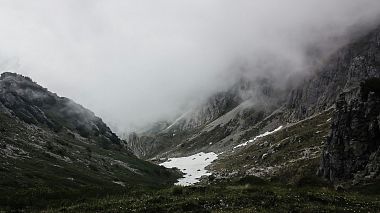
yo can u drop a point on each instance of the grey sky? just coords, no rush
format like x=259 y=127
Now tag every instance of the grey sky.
x=134 y=62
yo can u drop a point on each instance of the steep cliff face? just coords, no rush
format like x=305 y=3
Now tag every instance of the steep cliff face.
x=353 y=148
x=341 y=72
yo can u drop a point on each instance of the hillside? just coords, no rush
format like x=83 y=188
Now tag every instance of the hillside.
x=50 y=144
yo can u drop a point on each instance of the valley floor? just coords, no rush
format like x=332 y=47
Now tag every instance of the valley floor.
x=249 y=194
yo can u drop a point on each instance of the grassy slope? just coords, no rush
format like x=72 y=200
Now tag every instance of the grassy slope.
x=245 y=195
x=37 y=164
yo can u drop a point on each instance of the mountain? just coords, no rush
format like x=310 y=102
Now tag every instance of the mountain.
x=51 y=143
x=288 y=133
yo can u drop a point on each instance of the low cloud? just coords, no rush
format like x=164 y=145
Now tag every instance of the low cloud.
x=134 y=62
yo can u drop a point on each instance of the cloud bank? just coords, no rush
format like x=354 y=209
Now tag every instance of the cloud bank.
x=134 y=62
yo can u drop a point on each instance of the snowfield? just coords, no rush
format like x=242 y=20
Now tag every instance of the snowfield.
x=193 y=166
x=257 y=137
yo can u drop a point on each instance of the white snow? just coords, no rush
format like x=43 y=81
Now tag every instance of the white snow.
x=193 y=166
x=259 y=136
x=119 y=183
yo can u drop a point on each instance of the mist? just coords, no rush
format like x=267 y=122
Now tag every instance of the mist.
x=136 y=62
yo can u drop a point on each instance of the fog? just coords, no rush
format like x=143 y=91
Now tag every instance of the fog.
x=136 y=62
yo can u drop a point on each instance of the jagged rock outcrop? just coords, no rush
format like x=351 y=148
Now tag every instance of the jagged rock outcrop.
x=353 y=148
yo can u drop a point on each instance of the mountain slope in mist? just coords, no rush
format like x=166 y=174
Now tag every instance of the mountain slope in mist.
x=303 y=111
x=51 y=143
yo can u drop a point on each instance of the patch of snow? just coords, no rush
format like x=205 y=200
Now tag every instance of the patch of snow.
x=259 y=136
x=328 y=120
x=193 y=166
x=119 y=183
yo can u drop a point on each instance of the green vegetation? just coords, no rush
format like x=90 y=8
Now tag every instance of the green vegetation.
x=289 y=155
x=241 y=195
x=40 y=167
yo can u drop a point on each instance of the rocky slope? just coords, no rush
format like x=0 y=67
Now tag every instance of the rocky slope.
x=213 y=125
x=289 y=154
x=47 y=141
x=352 y=146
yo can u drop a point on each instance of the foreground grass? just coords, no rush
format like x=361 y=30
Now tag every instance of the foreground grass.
x=244 y=195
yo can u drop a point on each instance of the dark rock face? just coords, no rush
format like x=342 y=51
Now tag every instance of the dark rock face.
x=33 y=104
x=342 y=72
x=352 y=151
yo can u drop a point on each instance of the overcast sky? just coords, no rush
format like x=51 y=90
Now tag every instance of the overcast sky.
x=134 y=62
